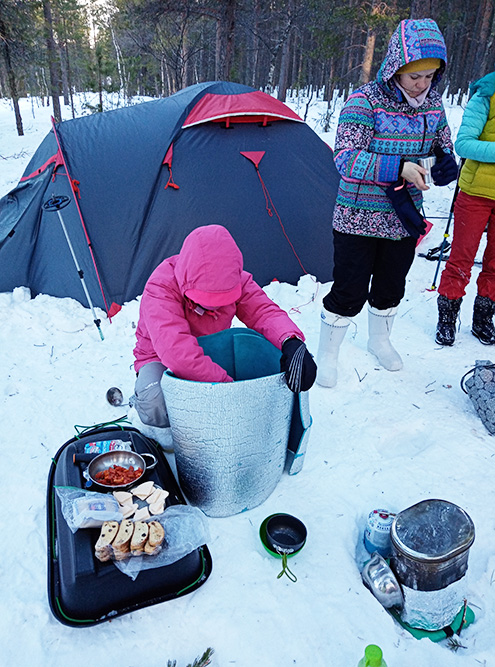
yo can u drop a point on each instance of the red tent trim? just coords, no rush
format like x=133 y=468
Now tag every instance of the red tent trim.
x=254 y=156
x=245 y=107
x=57 y=159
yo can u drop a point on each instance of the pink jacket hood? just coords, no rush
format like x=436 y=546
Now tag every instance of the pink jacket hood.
x=209 y=261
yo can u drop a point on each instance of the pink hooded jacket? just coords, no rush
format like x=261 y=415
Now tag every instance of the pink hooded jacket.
x=169 y=322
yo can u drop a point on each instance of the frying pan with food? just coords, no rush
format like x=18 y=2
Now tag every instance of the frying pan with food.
x=119 y=469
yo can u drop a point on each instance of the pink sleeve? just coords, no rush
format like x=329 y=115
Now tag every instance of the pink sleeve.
x=173 y=342
x=260 y=313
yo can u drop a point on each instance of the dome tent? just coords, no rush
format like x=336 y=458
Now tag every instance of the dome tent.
x=140 y=178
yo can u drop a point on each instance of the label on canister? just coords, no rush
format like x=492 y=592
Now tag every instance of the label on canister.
x=377 y=532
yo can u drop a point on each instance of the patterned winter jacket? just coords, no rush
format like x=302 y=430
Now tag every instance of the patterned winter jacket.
x=476 y=140
x=169 y=323
x=377 y=128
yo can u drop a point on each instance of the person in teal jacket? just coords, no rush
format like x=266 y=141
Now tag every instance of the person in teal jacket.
x=474 y=211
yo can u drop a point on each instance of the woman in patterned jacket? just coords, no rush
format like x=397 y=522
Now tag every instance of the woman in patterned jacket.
x=385 y=127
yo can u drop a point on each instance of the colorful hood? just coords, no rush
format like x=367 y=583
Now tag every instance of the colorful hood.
x=413 y=39
x=209 y=261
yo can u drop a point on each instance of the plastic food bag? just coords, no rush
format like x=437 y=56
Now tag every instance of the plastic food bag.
x=186 y=529
x=87 y=509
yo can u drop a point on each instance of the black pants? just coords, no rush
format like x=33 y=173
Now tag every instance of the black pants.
x=368 y=269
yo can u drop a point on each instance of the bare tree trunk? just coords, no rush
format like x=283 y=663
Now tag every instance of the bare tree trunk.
x=69 y=79
x=368 y=57
x=285 y=59
x=162 y=78
x=486 y=39
x=11 y=78
x=55 y=90
x=253 y=45
x=225 y=40
x=60 y=61
x=283 y=78
x=185 y=54
x=120 y=62
x=369 y=49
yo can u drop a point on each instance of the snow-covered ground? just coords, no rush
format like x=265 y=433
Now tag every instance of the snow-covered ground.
x=379 y=439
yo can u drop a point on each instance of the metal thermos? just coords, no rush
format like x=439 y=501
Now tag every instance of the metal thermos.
x=427 y=163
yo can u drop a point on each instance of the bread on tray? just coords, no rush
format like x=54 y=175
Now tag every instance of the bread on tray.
x=103 y=548
x=156 y=536
x=121 y=540
x=139 y=538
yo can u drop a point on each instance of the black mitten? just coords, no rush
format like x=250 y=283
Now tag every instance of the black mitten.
x=298 y=365
x=445 y=170
x=407 y=212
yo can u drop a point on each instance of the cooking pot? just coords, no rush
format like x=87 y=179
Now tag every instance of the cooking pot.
x=283 y=536
x=124 y=459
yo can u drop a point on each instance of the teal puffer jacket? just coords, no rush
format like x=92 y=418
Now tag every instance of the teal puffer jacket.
x=476 y=140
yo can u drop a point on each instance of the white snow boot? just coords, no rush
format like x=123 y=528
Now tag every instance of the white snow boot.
x=332 y=331
x=379 y=326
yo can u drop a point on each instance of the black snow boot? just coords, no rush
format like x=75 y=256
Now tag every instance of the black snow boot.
x=448 y=309
x=483 y=329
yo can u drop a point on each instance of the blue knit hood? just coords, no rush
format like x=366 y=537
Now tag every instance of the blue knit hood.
x=413 y=39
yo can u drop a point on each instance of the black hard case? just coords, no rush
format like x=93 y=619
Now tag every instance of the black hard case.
x=83 y=591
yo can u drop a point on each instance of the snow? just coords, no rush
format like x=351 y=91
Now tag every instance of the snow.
x=379 y=440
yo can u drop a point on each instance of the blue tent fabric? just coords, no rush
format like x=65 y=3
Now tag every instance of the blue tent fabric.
x=129 y=221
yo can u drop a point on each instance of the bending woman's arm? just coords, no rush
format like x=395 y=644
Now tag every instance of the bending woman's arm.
x=353 y=159
x=172 y=340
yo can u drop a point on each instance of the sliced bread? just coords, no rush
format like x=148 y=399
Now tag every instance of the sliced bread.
x=156 y=535
x=139 y=537
x=108 y=532
x=121 y=543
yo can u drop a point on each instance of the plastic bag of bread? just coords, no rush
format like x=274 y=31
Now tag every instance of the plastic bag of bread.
x=87 y=509
x=178 y=531
x=120 y=540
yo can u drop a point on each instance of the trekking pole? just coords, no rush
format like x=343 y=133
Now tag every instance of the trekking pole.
x=445 y=235
x=56 y=204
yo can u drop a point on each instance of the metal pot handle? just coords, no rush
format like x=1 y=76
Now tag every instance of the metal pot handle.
x=153 y=457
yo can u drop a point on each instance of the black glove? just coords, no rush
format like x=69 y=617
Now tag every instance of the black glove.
x=445 y=169
x=298 y=365
x=407 y=212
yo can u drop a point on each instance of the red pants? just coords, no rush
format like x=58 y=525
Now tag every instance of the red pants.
x=471 y=217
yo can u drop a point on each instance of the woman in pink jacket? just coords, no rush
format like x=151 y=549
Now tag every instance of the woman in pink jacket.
x=196 y=293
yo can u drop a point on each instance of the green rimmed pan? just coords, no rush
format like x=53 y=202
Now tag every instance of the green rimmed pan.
x=283 y=536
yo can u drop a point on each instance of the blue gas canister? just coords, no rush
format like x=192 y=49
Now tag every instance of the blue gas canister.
x=377 y=532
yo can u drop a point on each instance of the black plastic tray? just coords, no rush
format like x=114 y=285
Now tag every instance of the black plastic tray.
x=83 y=591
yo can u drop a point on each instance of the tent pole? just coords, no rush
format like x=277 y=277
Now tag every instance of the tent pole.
x=55 y=204
x=447 y=228
x=74 y=194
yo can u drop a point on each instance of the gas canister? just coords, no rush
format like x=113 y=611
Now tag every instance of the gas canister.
x=377 y=532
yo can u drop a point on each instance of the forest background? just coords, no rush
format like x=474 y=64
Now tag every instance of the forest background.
x=51 y=49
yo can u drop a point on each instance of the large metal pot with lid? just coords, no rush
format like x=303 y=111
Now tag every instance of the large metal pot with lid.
x=431 y=542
